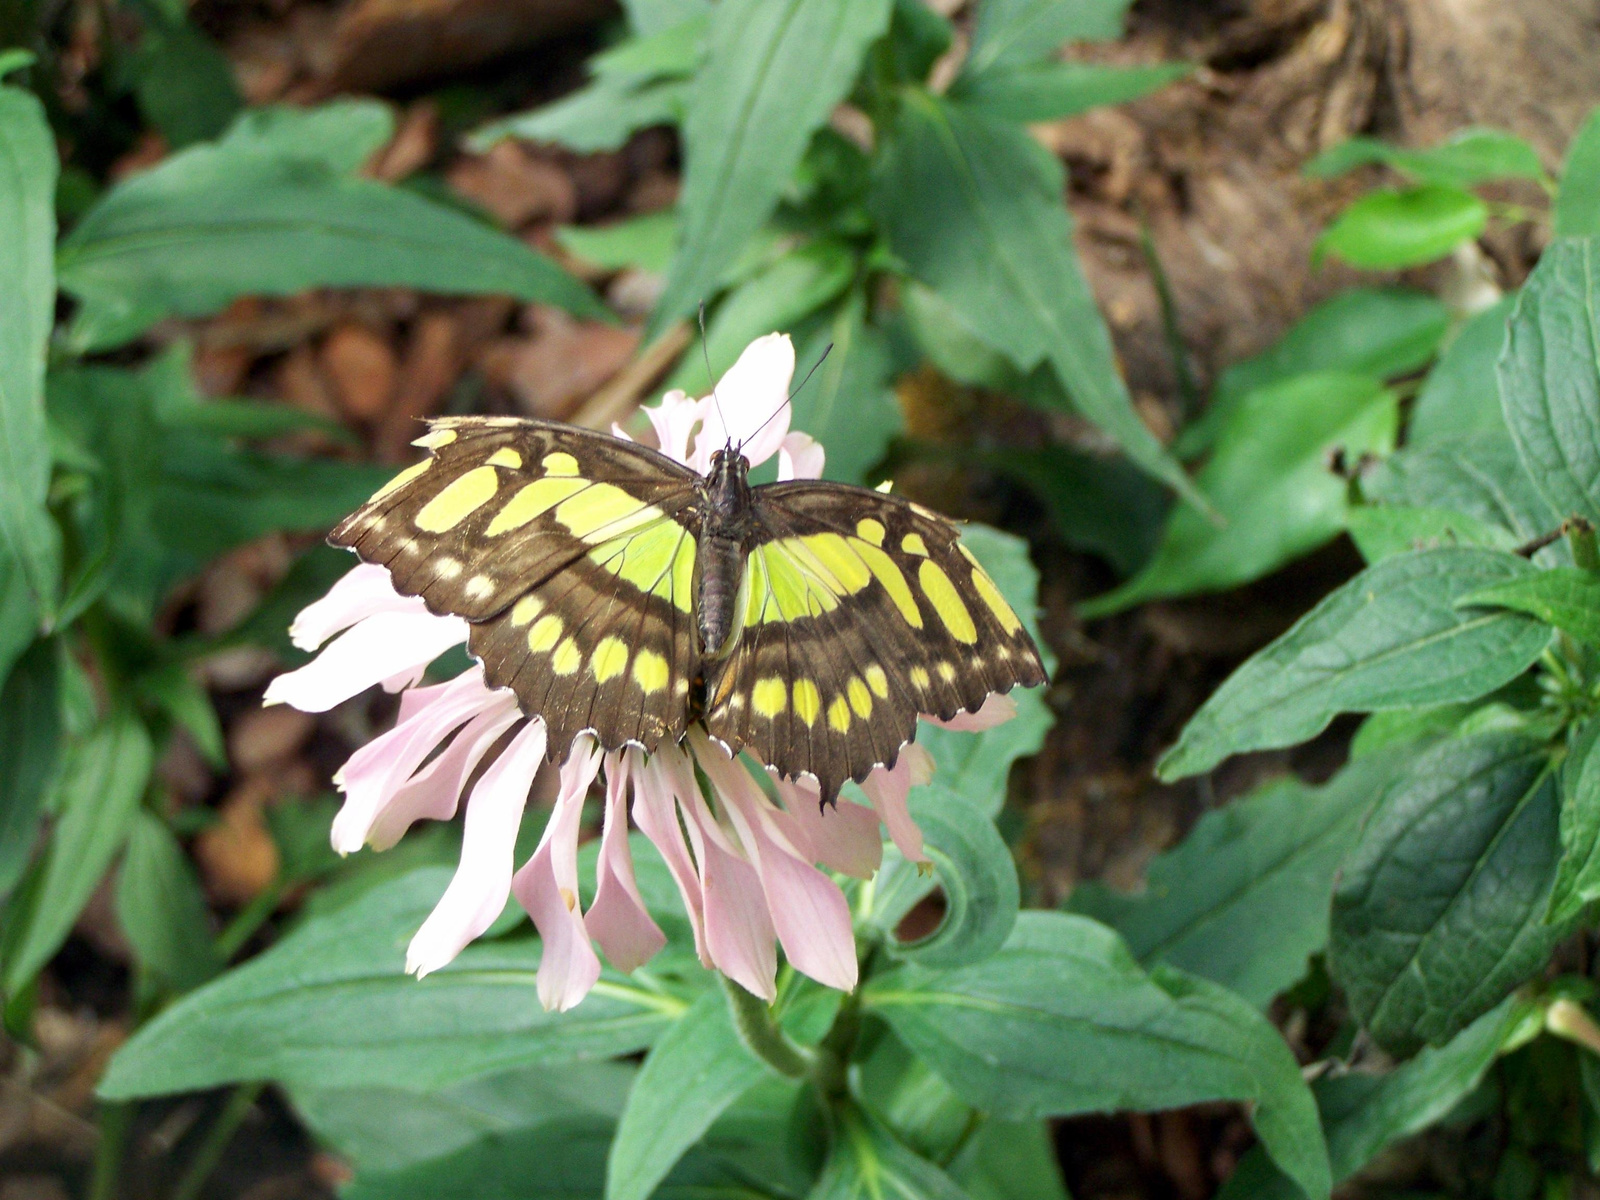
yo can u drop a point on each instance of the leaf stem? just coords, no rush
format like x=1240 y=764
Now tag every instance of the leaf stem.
x=238 y=1106
x=761 y=1034
x=115 y=1121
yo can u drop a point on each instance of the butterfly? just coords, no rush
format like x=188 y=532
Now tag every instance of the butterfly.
x=619 y=592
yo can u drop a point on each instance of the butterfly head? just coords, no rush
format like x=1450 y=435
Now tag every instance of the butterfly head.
x=728 y=481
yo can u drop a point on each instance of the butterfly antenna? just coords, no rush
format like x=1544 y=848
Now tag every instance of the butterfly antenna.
x=705 y=357
x=826 y=350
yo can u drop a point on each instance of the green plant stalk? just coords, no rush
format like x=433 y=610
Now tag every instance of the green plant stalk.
x=249 y=919
x=238 y=1106
x=115 y=1121
x=761 y=1034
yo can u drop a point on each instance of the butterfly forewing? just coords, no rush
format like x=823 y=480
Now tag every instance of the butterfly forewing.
x=572 y=555
x=862 y=611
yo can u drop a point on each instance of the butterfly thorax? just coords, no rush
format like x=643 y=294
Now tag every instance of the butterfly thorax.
x=723 y=536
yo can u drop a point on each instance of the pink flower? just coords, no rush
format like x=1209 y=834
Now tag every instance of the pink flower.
x=752 y=873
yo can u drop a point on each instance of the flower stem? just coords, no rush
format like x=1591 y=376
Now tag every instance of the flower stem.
x=761 y=1034
x=205 y=1160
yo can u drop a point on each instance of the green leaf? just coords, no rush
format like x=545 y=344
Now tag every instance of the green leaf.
x=1550 y=377
x=19 y=615
x=1243 y=900
x=1577 y=207
x=975 y=869
x=673 y=52
x=1390 y=638
x=184 y=84
x=1461 y=395
x=867 y=1162
x=185 y=701
x=1439 y=911
x=775 y=70
x=330 y=1006
x=341 y=134
x=774 y=299
x=1268 y=479
x=697 y=1069
x=1578 y=877
x=1383 y=530
x=644 y=242
x=974 y=209
x=1388 y=230
x=246 y=217
x=1063 y=1021
x=1100 y=504
x=849 y=405
x=648 y=17
x=1566 y=597
x=30 y=734
x=1478 y=476
x=161 y=908
x=1009 y=1160
x=15 y=59
x=1467 y=158
x=1364 y=1114
x=27 y=312
x=387 y=1129
x=600 y=117
x=1051 y=91
x=1364 y=331
x=912 y=1099
x=1012 y=33
x=96 y=795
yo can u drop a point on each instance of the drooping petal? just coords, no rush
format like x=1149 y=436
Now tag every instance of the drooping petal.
x=361 y=592
x=739 y=932
x=996 y=709
x=843 y=837
x=379 y=648
x=618 y=919
x=888 y=791
x=547 y=886
x=372 y=775
x=435 y=791
x=752 y=397
x=809 y=912
x=800 y=457
x=478 y=890
x=656 y=815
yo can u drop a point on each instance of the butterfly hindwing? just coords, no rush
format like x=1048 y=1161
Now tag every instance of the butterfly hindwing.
x=571 y=554
x=862 y=612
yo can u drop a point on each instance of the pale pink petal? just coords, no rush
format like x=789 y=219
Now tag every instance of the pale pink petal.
x=752 y=397
x=372 y=775
x=478 y=890
x=888 y=791
x=809 y=912
x=618 y=919
x=844 y=837
x=378 y=648
x=674 y=421
x=800 y=457
x=656 y=815
x=996 y=709
x=547 y=886
x=435 y=790
x=361 y=592
x=739 y=932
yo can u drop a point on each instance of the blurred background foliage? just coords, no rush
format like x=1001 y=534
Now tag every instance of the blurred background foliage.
x=1205 y=303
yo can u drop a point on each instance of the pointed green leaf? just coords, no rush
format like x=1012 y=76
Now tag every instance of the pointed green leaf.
x=1461 y=395
x=30 y=734
x=27 y=312
x=1578 y=877
x=973 y=207
x=1566 y=597
x=162 y=910
x=1465 y=159
x=1392 y=637
x=774 y=71
x=1577 y=208
x=1388 y=230
x=1550 y=377
x=1439 y=912
x=1063 y=1021
x=331 y=1006
x=698 y=1068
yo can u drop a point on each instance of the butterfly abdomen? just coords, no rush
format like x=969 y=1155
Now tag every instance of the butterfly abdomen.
x=721 y=566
